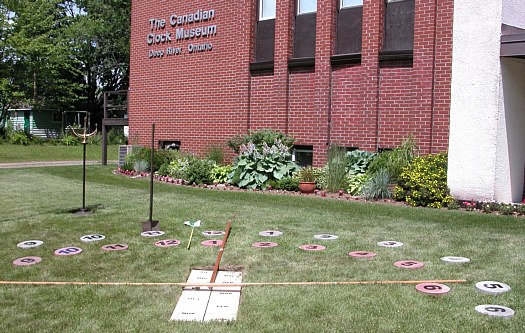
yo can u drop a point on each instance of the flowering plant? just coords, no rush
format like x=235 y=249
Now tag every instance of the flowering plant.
x=256 y=166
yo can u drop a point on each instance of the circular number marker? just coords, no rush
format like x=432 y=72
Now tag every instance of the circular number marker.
x=27 y=261
x=492 y=287
x=361 y=254
x=390 y=244
x=270 y=233
x=455 y=260
x=167 y=243
x=92 y=238
x=212 y=242
x=29 y=244
x=115 y=247
x=409 y=264
x=312 y=247
x=265 y=244
x=326 y=237
x=433 y=288
x=495 y=310
x=153 y=233
x=211 y=233
x=68 y=251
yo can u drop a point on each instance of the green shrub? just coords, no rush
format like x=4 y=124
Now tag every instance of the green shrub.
x=287 y=184
x=258 y=138
x=116 y=136
x=141 y=166
x=144 y=154
x=506 y=209
x=520 y=209
x=19 y=138
x=70 y=140
x=307 y=174
x=215 y=153
x=256 y=166
x=335 y=172
x=357 y=161
x=424 y=182
x=355 y=183
x=164 y=169
x=198 y=171
x=395 y=160
x=377 y=186
x=219 y=173
x=453 y=205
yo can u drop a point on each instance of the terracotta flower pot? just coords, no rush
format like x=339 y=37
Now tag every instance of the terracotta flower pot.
x=307 y=187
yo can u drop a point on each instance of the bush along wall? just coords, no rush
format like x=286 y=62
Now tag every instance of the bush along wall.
x=424 y=182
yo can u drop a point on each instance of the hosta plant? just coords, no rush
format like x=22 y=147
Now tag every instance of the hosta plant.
x=256 y=166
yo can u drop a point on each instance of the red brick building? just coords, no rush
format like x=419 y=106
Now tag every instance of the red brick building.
x=361 y=74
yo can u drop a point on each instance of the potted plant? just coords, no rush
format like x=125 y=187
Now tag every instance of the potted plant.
x=307 y=180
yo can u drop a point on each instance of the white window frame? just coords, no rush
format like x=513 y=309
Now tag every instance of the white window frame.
x=263 y=18
x=341 y=4
x=299 y=12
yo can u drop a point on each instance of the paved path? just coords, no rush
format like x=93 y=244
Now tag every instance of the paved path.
x=48 y=163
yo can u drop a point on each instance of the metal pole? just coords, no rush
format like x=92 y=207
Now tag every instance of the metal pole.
x=151 y=173
x=84 y=180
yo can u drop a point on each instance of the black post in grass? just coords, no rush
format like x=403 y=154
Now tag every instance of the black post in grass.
x=84 y=136
x=150 y=225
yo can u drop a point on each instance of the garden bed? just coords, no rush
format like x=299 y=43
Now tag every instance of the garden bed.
x=469 y=206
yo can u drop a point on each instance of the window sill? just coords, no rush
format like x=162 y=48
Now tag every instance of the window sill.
x=403 y=58
x=301 y=62
x=263 y=66
x=345 y=59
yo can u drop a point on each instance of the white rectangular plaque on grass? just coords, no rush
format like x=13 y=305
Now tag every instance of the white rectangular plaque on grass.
x=203 y=304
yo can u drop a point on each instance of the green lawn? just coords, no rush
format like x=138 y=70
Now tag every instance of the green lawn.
x=36 y=204
x=46 y=152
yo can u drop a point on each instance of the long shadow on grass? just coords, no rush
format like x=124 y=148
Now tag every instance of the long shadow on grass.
x=68 y=211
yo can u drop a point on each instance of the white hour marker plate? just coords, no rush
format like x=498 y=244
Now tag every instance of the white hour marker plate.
x=92 y=238
x=30 y=244
x=390 y=244
x=153 y=233
x=455 y=260
x=492 y=287
x=270 y=233
x=495 y=310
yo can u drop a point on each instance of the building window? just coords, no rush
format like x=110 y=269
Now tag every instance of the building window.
x=306 y=6
x=304 y=31
x=350 y=3
x=399 y=26
x=265 y=32
x=266 y=10
x=349 y=27
x=303 y=155
x=57 y=117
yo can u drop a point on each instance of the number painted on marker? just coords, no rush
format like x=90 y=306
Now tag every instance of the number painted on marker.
x=68 y=250
x=493 y=285
x=27 y=260
x=432 y=287
x=494 y=309
x=409 y=263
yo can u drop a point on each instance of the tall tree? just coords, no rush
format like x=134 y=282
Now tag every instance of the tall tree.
x=103 y=29
x=62 y=54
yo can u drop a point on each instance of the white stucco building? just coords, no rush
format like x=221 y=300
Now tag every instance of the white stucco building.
x=487 y=113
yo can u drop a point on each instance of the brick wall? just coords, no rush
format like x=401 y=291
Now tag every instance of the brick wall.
x=208 y=97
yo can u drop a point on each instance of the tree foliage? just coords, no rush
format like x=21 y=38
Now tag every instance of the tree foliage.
x=62 y=54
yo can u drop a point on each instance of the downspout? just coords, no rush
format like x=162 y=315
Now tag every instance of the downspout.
x=433 y=78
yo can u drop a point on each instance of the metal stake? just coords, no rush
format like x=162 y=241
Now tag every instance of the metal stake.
x=84 y=137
